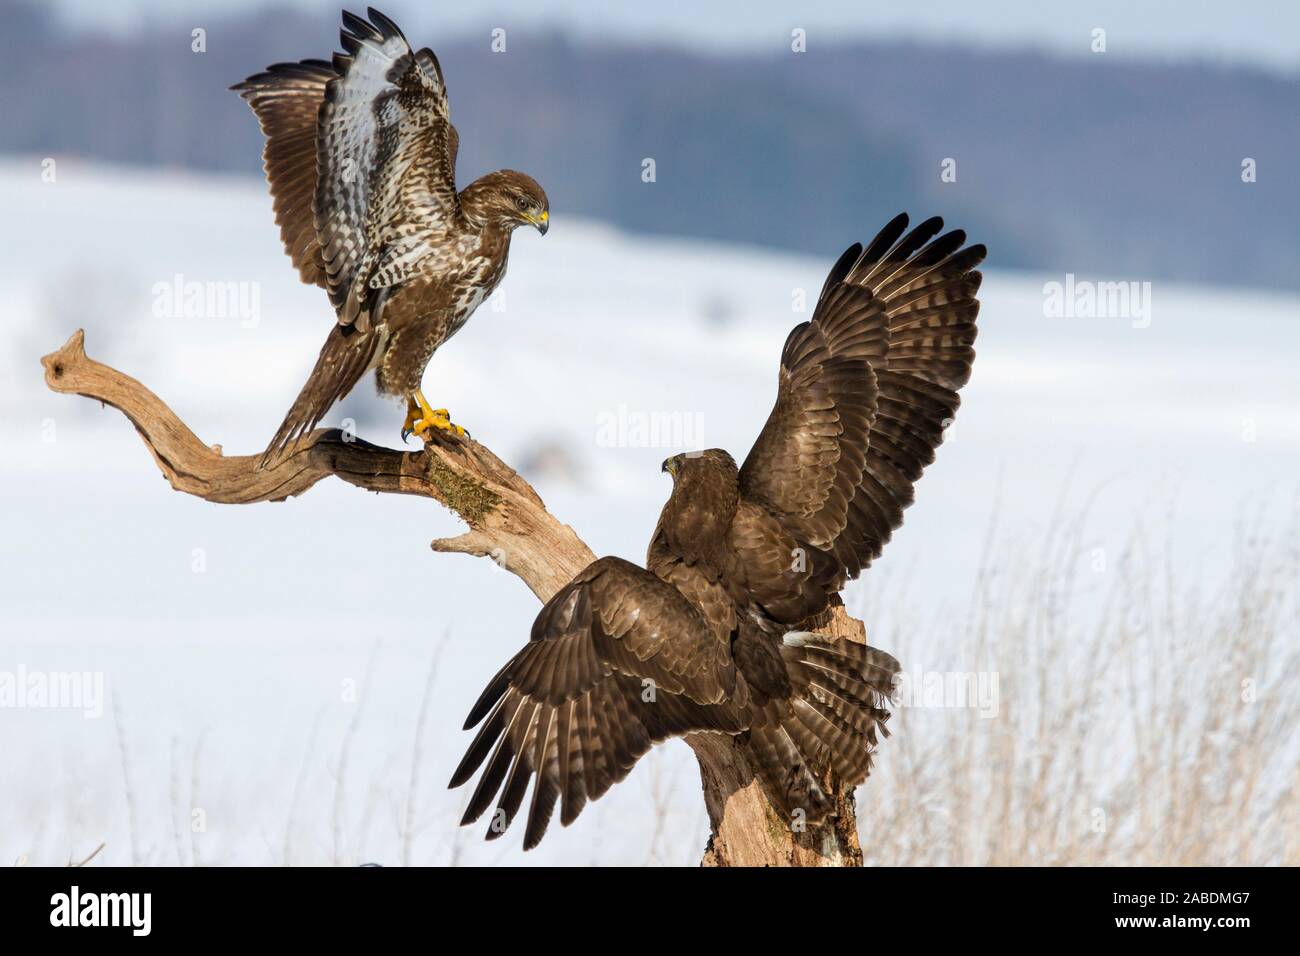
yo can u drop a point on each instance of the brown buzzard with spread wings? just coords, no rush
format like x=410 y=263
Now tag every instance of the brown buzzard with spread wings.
x=361 y=158
x=706 y=638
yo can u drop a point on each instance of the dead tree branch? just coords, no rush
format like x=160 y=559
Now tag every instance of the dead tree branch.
x=507 y=522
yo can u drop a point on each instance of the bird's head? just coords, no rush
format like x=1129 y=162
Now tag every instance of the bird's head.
x=697 y=464
x=706 y=490
x=507 y=199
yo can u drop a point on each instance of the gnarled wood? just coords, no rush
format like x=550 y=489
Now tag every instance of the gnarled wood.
x=507 y=519
x=509 y=523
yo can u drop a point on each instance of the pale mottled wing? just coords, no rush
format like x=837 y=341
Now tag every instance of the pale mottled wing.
x=809 y=457
x=928 y=289
x=286 y=99
x=386 y=156
x=618 y=660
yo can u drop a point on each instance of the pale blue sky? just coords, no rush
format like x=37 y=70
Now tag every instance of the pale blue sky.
x=1265 y=33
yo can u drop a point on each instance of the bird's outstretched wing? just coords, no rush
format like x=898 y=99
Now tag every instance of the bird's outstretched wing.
x=866 y=390
x=286 y=99
x=386 y=157
x=618 y=660
x=808 y=459
x=927 y=287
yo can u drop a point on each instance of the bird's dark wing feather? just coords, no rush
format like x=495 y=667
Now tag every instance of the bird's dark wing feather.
x=696 y=584
x=927 y=287
x=618 y=660
x=386 y=152
x=808 y=459
x=866 y=390
x=286 y=98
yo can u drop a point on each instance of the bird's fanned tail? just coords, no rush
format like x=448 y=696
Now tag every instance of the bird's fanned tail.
x=832 y=721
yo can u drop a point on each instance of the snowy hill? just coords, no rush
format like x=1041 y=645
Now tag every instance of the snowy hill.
x=268 y=664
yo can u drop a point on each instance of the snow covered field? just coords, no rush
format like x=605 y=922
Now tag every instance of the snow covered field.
x=285 y=683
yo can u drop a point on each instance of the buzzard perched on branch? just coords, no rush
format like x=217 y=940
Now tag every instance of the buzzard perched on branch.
x=708 y=637
x=361 y=158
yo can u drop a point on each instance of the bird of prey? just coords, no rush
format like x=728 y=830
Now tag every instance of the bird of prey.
x=361 y=159
x=710 y=637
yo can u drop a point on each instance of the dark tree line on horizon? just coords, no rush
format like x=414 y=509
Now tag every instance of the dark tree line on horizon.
x=1095 y=164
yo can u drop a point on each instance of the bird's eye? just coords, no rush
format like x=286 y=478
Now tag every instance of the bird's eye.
x=522 y=203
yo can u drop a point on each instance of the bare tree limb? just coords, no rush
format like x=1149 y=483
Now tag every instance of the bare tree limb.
x=507 y=519
x=509 y=523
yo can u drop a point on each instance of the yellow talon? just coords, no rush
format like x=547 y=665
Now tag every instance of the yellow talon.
x=422 y=420
x=442 y=424
x=412 y=416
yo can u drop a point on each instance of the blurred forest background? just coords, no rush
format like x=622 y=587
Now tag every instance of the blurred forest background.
x=1095 y=162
